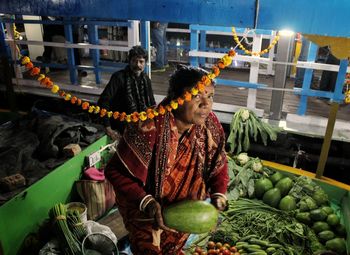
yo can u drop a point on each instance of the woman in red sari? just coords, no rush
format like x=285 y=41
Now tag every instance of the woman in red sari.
x=173 y=157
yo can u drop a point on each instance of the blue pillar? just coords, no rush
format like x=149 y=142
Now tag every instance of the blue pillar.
x=95 y=53
x=194 y=46
x=144 y=37
x=68 y=32
x=4 y=48
x=202 y=46
x=307 y=80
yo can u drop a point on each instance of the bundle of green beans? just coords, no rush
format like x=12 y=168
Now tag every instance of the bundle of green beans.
x=76 y=225
x=68 y=241
x=245 y=125
x=252 y=219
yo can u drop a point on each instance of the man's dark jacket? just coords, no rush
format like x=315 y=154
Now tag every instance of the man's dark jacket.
x=126 y=93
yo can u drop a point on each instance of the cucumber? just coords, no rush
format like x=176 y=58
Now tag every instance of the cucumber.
x=258 y=242
x=191 y=216
x=258 y=253
x=270 y=250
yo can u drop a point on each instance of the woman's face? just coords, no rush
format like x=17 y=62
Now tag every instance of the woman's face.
x=197 y=110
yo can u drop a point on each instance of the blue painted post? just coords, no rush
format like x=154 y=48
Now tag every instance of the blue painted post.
x=202 y=46
x=68 y=32
x=95 y=53
x=145 y=43
x=194 y=45
x=307 y=80
x=4 y=48
x=338 y=95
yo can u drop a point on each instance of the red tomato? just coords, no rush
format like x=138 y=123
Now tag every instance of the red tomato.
x=223 y=248
x=211 y=245
x=226 y=252
x=212 y=251
x=198 y=250
x=233 y=249
x=218 y=245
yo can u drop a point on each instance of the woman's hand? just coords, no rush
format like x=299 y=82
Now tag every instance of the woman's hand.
x=114 y=135
x=219 y=202
x=154 y=211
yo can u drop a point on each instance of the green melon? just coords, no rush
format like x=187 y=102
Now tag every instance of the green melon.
x=287 y=203
x=272 y=197
x=284 y=185
x=191 y=216
x=261 y=186
x=276 y=177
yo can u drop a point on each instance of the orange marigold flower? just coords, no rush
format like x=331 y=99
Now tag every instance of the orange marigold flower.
x=231 y=53
x=174 y=104
x=29 y=65
x=187 y=96
x=180 y=101
x=116 y=115
x=168 y=108
x=216 y=70
x=35 y=71
x=79 y=101
x=200 y=86
x=25 y=60
x=67 y=97
x=122 y=116
x=161 y=110
x=205 y=79
x=85 y=105
x=74 y=100
x=48 y=84
x=103 y=112
x=61 y=93
x=135 y=116
x=221 y=64
x=150 y=115
x=143 y=116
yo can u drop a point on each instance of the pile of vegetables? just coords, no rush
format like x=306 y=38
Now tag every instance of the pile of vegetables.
x=245 y=125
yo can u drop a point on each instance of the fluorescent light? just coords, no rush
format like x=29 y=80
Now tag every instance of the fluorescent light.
x=286 y=32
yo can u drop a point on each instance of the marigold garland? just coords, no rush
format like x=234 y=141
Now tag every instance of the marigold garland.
x=248 y=52
x=150 y=113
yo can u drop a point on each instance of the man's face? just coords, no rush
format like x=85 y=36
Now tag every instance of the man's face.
x=137 y=65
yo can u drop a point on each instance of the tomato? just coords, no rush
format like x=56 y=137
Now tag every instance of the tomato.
x=198 y=250
x=228 y=246
x=211 y=245
x=218 y=245
x=226 y=252
x=195 y=253
x=233 y=249
x=223 y=248
x=212 y=251
x=204 y=253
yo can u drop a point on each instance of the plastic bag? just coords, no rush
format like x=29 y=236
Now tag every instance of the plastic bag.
x=95 y=227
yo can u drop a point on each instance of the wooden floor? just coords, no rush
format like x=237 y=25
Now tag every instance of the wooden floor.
x=226 y=94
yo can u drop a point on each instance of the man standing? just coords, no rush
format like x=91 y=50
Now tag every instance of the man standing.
x=128 y=91
x=158 y=37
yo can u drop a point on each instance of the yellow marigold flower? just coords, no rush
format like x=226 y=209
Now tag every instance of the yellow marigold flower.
x=155 y=112
x=161 y=110
x=187 y=96
x=347 y=100
x=41 y=76
x=247 y=52
x=194 y=91
x=67 y=97
x=55 y=89
x=210 y=76
x=109 y=114
x=143 y=116
x=227 y=60
x=97 y=109
x=25 y=60
x=85 y=105
x=91 y=108
x=180 y=101
x=174 y=104
x=128 y=118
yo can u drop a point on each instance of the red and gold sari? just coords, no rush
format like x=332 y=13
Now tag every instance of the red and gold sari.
x=152 y=159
